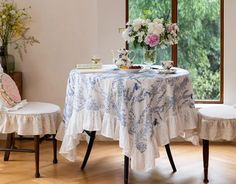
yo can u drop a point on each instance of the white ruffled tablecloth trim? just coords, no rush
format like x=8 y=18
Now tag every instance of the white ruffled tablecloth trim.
x=184 y=125
x=47 y=123
x=217 y=129
x=60 y=131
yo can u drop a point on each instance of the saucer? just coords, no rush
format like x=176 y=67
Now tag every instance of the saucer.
x=170 y=71
x=131 y=70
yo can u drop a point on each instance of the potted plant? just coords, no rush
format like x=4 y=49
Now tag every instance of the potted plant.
x=13 y=30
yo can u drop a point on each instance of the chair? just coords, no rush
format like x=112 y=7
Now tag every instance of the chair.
x=31 y=119
x=92 y=135
x=216 y=123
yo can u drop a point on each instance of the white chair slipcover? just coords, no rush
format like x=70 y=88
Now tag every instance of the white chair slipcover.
x=217 y=123
x=35 y=118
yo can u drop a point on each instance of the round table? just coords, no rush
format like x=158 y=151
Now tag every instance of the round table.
x=142 y=110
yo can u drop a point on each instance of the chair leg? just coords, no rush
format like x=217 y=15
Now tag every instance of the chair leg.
x=89 y=148
x=13 y=141
x=36 y=149
x=126 y=170
x=170 y=157
x=205 y=159
x=54 y=149
x=9 y=144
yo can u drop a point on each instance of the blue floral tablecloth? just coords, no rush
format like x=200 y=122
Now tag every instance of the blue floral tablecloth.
x=142 y=110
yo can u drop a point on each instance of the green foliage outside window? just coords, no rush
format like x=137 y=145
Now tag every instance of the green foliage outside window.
x=199 y=41
x=148 y=9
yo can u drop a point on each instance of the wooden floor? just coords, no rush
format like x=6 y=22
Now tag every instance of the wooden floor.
x=106 y=166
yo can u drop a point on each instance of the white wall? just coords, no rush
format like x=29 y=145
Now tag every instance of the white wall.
x=111 y=16
x=67 y=31
x=73 y=31
x=230 y=52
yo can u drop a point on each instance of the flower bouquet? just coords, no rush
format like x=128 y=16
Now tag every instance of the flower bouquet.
x=14 y=27
x=149 y=35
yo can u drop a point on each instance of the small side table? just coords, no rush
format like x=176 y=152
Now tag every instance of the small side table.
x=17 y=77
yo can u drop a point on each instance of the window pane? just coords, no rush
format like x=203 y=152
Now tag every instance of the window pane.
x=199 y=45
x=150 y=10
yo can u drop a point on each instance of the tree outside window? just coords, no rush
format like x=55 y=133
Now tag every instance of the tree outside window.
x=199 y=49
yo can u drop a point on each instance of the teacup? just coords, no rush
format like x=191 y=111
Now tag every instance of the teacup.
x=96 y=60
x=167 y=64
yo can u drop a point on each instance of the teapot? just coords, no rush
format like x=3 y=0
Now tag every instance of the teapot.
x=123 y=58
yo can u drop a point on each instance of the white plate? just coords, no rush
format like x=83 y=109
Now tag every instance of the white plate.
x=170 y=71
x=131 y=70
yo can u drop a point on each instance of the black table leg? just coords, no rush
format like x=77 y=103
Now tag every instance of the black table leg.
x=126 y=170
x=89 y=148
x=170 y=157
x=205 y=159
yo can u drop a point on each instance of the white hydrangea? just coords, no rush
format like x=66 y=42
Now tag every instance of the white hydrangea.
x=138 y=23
x=132 y=39
x=140 y=36
x=155 y=28
x=158 y=21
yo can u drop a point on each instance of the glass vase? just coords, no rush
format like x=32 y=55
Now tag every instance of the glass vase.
x=150 y=56
x=7 y=61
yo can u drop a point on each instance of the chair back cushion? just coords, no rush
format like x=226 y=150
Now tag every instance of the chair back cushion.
x=9 y=93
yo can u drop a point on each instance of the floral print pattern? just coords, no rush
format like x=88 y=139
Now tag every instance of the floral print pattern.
x=140 y=101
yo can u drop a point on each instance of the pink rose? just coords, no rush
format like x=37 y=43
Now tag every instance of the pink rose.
x=169 y=28
x=152 y=40
x=172 y=28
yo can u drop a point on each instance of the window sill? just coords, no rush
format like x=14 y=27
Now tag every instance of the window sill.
x=199 y=106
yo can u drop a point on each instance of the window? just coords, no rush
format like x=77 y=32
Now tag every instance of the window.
x=200 y=47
